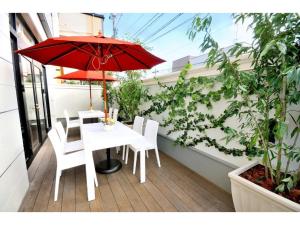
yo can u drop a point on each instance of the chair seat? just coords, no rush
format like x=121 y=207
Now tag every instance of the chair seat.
x=73 y=146
x=73 y=159
x=141 y=144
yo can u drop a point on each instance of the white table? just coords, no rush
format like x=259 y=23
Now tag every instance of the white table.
x=89 y=114
x=96 y=138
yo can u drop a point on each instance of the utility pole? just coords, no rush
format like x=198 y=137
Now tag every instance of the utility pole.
x=155 y=71
x=113 y=17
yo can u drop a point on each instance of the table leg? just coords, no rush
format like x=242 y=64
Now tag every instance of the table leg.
x=80 y=123
x=109 y=165
x=142 y=167
x=89 y=167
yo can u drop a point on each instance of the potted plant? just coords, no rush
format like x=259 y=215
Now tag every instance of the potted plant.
x=269 y=92
x=128 y=95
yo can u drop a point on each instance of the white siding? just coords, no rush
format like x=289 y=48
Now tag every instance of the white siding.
x=10 y=139
x=13 y=185
x=13 y=173
x=8 y=99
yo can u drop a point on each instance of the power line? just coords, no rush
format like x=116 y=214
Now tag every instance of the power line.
x=163 y=27
x=149 y=25
x=136 y=21
x=174 y=28
x=121 y=14
x=149 y=21
x=188 y=44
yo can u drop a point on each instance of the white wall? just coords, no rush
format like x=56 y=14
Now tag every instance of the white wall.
x=13 y=172
x=218 y=108
x=74 y=98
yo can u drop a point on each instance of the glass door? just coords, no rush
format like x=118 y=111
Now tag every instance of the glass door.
x=31 y=89
x=30 y=106
x=40 y=103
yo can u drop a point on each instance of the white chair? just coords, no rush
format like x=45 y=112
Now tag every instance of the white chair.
x=65 y=161
x=115 y=115
x=148 y=143
x=138 y=127
x=70 y=123
x=110 y=111
x=68 y=146
x=138 y=124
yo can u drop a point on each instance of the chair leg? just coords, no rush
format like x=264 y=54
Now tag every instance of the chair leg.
x=147 y=154
x=95 y=178
x=126 y=157
x=67 y=131
x=134 y=162
x=157 y=157
x=123 y=152
x=57 y=178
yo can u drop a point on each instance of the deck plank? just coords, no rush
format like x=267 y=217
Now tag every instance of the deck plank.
x=56 y=206
x=146 y=197
x=119 y=194
x=35 y=184
x=68 y=200
x=133 y=197
x=82 y=205
x=41 y=203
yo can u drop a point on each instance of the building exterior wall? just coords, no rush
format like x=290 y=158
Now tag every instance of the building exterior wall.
x=14 y=181
x=78 y=24
x=75 y=98
x=13 y=173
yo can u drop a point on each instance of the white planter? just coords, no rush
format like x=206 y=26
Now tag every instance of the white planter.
x=249 y=197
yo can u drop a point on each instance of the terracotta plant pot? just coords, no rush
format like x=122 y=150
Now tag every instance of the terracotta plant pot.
x=250 y=197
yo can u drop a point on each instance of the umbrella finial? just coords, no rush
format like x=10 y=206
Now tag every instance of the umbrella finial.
x=100 y=35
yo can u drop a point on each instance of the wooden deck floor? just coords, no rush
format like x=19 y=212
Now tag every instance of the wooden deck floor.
x=173 y=187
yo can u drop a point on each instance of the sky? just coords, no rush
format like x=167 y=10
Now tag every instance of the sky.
x=176 y=43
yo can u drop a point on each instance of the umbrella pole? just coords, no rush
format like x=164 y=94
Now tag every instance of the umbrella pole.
x=104 y=95
x=91 y=104
x=109 y=165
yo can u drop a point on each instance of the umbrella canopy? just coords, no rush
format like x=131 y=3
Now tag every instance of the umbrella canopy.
x=92 y=53
x=87 y=76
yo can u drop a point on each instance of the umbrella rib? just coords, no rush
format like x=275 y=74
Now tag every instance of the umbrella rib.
x=89 y=62
x=42 y=47
x=92 y=47
x=134 y=57
x=86 y=52
x=63 y=54
x=115 y=59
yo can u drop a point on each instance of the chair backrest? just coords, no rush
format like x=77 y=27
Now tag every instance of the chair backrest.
x=110 y=111
x=61 y=132
x=151 y=131
x=56 y=143
x=115 y=114
x=138 y=124
x=67 y=116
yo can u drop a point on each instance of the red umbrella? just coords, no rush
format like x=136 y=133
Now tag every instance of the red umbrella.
x=92 y=53
x=87 y=76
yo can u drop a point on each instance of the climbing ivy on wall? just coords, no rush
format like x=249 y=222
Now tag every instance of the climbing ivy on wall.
x=182 y=101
